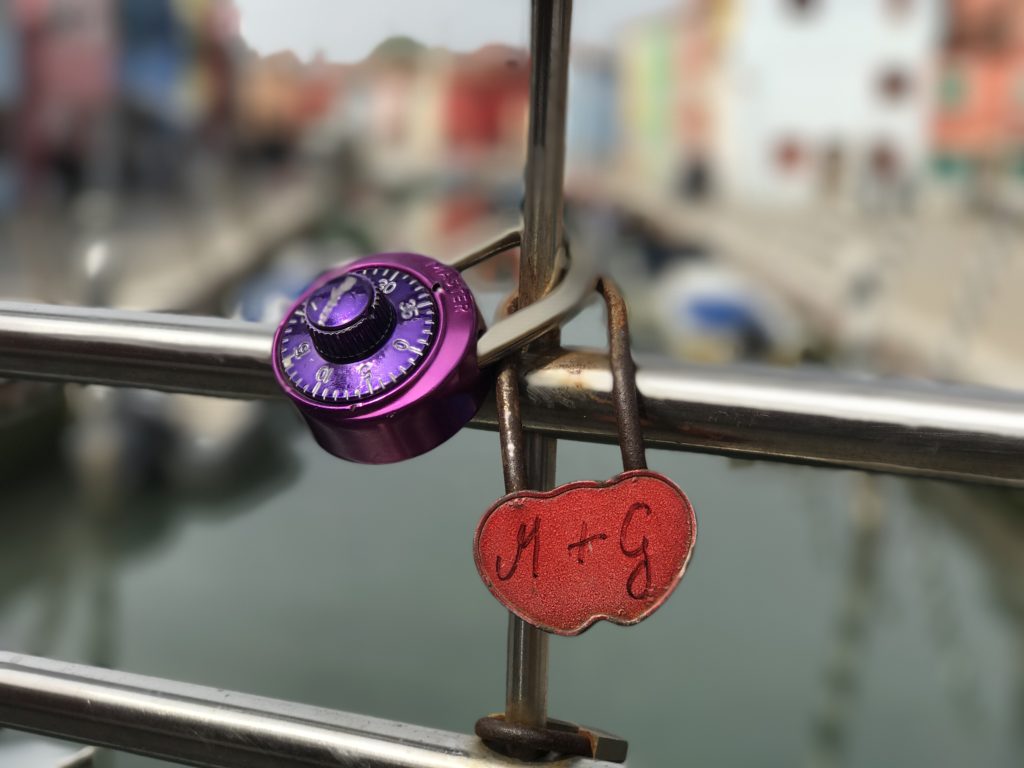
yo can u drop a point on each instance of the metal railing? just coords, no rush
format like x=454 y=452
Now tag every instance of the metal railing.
x=914 y=428
x=212 y=728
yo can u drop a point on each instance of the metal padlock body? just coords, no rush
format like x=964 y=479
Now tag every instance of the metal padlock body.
x=564 y=559
x=430 y=386
x=585 y=551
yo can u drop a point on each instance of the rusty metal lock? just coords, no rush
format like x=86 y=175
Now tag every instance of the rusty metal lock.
x=566 y=558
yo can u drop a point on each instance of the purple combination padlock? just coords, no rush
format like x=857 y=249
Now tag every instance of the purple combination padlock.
x=380 y=357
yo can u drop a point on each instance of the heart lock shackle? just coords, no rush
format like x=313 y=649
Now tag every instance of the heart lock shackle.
x=615 y=550
x=380 y=357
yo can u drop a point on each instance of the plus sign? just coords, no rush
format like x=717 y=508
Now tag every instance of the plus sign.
x=585 y=542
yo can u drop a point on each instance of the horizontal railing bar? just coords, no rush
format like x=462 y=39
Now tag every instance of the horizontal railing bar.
x=212 y=728
x=174 y=353
x=916 y=428
x=893 y=426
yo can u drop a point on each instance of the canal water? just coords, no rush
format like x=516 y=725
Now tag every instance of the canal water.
x=826 y=618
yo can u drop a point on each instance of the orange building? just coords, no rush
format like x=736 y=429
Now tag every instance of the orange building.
x=979 y=119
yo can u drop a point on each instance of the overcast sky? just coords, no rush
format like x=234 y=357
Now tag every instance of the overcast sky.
x=346 y=30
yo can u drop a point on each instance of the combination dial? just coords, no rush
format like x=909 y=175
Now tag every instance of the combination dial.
x=380 y=357
x=358 y=336
x=348 y=318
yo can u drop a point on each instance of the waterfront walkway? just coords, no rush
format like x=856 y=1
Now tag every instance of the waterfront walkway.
x=935 y=294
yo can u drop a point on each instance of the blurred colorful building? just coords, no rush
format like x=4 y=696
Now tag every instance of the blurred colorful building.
x=432 y=112
x=10 y=95
x=68 y=82
x=979 y=122
x=782 y=102
x=279 y=97
x=130 y=94
x=670 y=100
x=592 y=130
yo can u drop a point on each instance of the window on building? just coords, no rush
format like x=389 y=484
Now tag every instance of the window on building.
x=802 y=7
x=885 y=161
x=894 y=84
x=696 y=181
x=952 y=89
x=949 y=166
x=899 y=9
x=994 y=30
x=832 y=169
x=789 y=155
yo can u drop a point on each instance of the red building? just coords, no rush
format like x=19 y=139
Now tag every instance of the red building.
x=487 y=99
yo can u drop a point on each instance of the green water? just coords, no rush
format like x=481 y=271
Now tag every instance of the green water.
x=353 y=587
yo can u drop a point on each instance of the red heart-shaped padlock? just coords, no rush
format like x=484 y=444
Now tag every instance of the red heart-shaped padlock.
x=563 y=559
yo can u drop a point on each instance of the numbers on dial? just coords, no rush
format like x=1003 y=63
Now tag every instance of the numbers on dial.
x=383 y=370
x=404 y=346
x=409 y=309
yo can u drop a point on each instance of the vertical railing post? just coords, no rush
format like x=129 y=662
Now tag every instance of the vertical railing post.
x=526 y=690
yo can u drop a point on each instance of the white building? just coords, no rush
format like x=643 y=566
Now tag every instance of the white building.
x=825 y=99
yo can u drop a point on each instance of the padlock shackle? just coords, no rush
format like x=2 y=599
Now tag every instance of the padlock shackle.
x=502 y=244
x=624 y=393
x=577 y=278
x=510 y=422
